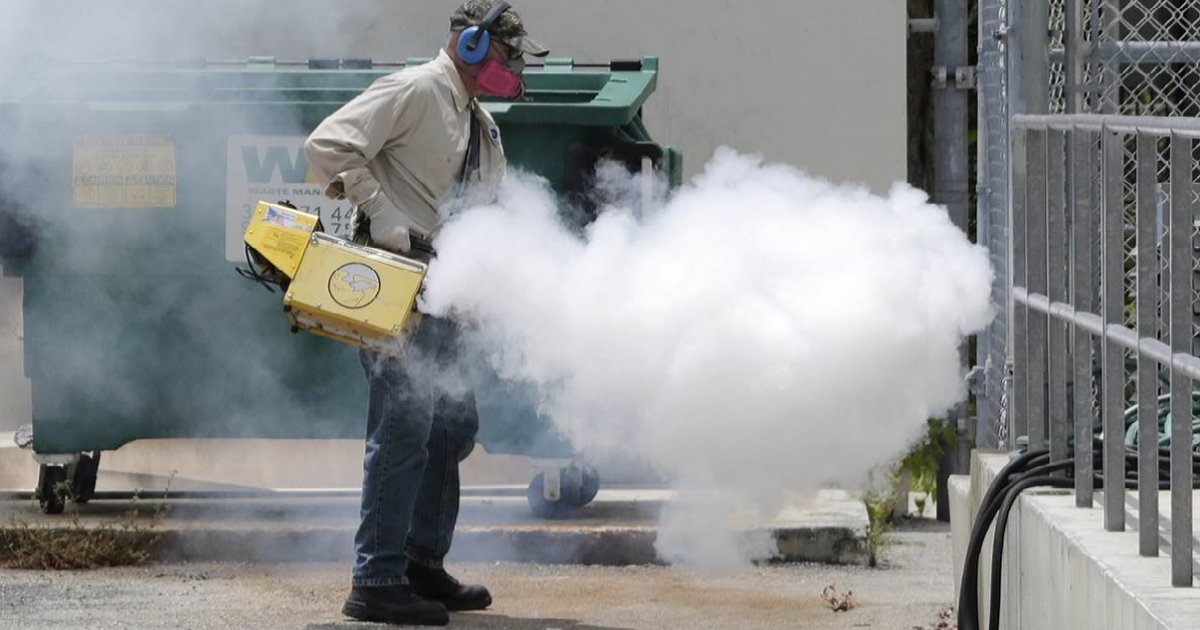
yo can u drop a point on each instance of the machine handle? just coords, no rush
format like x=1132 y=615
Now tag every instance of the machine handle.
x=421 y=244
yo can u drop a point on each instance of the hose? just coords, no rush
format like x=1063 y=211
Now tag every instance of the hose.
x=1027 y=471
x=968 y=600
x=1010 y=499
x=1031 y=469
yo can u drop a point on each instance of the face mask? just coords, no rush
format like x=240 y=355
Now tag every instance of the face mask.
x=498 y=79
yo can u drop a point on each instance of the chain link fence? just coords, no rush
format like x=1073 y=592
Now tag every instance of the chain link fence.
x=993 y=216
x=1125 y=57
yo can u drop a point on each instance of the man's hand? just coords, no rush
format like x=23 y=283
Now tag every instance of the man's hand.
x=388 y=227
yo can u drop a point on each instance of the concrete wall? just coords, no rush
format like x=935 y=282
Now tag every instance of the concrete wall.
x=1063 y=570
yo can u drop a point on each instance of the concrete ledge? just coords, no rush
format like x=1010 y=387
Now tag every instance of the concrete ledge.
x=1100 y=580
x=1063 y=570
x=611 y=546
x=588 y=546
x=619 y=528
x=961 y=521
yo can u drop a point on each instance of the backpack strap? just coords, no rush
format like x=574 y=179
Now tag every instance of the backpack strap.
x=361 y=232
x=471 y=161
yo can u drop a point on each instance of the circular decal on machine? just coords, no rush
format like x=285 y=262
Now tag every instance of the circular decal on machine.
x=354 y=285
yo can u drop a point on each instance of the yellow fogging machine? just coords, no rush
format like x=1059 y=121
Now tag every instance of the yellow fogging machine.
x=332 y=287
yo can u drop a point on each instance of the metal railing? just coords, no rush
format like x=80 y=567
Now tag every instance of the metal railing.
x=1097 y=267
x=1130 y=57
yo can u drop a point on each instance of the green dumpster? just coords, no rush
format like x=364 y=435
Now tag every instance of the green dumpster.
x=124 y=192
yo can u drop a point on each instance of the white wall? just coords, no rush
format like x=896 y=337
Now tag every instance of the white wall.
x=819 y=84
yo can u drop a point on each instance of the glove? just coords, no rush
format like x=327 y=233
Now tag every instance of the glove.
x=389 y=228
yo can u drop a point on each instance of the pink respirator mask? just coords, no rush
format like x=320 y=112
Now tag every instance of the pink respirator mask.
x=502 y=79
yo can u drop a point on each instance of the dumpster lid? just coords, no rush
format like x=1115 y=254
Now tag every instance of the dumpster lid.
x=559 y=91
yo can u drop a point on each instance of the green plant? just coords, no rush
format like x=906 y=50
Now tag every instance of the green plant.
x=77 y=545
x=879 y=524
x=923 y=459
x=880 y=501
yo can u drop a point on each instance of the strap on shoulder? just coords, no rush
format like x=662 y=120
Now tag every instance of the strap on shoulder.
x=471 y=161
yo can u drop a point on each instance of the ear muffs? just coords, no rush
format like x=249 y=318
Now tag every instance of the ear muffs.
x=475 y=41
x=473 y=45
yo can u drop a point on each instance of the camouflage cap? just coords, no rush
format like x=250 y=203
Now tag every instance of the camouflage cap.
x=508 y=28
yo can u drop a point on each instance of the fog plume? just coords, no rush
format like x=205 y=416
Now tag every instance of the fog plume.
x=754 y=334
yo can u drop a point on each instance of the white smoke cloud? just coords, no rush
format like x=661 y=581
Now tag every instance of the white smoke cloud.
x=757 y=333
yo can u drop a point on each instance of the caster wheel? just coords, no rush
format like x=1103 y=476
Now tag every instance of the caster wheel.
x=50 y=493
x=83 y=482
x=577 y=489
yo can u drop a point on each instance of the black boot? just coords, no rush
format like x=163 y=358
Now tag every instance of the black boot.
x=393 y=604
x=439 y=586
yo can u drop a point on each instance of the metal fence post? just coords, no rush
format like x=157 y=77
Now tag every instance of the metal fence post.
x=1108 y=22
x=1019 y=405
x=950 y=190
x=1029 y=78
x=1147 y=327
x=1181 y=224
x=1036 y=280
x=1081 y=283
x=950 y=111
x=1056 y=290
x=1072 y=23
x=1113 y=304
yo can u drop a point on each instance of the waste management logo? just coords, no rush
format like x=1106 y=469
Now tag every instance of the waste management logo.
x=273 y=169
x=354 y=285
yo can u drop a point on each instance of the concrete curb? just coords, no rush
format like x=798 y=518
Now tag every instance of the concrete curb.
x=609 y=546
x=619 y=528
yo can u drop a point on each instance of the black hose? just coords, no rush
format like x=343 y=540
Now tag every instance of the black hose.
x=968 y=604
x=1030 y=470
x=1010 y=499
x=996 y=502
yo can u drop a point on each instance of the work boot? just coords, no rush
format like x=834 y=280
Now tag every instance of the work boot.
x=395 y=605
x=439 y=586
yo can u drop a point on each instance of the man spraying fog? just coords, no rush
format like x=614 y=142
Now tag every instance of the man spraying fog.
x=413 y=144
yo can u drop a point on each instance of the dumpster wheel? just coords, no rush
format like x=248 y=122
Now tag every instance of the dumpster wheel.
x=51 y=490
x=83 y=479
x=577 y=487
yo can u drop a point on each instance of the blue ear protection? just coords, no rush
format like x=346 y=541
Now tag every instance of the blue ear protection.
x=474 y=42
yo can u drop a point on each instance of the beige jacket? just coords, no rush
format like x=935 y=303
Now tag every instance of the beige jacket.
x=406 y=137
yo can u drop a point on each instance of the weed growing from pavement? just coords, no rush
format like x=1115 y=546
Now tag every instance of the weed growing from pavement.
x=879 y=524
x=920 y=464
x=924 y=459
x=880 y=500
x=76 y=545
x=945 y=621
x=836 y=602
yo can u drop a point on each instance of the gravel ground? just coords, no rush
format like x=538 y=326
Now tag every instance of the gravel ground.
x=909 y=591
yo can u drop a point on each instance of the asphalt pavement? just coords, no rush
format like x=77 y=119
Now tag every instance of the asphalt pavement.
x=909 y=591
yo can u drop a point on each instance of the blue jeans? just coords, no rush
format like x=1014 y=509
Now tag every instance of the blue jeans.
x=417 y=434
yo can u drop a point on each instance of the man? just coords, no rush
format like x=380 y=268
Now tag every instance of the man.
x=412 y=145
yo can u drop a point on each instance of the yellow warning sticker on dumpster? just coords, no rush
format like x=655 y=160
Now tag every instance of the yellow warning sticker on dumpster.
x=125 y=171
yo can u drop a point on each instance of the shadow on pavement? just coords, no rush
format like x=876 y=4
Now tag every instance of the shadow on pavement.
x=918 y=524
x=489 y=620
x=475 y=620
